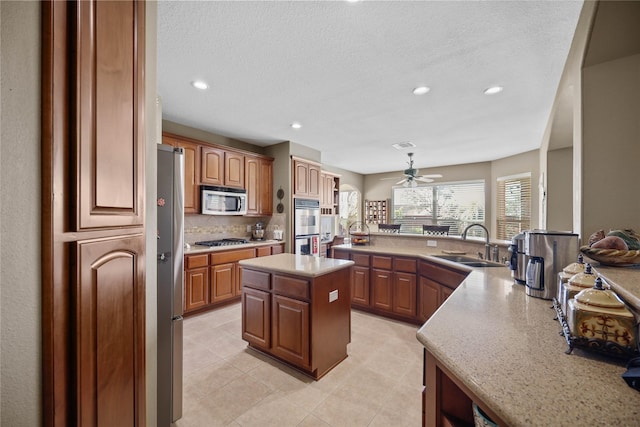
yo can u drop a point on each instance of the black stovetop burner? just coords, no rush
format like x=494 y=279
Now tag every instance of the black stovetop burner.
x=223 y=242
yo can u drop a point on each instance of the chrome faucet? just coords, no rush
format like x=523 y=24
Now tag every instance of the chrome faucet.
x=487 y=246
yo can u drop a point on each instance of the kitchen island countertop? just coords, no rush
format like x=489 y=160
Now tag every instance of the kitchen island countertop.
x=300 y=265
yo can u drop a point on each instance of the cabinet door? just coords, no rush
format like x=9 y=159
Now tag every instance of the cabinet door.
x=110 y=329
x=404 y=293
x=223 y=282
x=196 y=288
x=266 y=187
x=445 y=293
x=382 y=288
x=233 y=169
x=191 y=176
x=359 y=284
x=314 y=181
x=256 y=317
x=212 y=172
x=277 y=249
x=263 y=251
x=252 y=182
x=290 y=330
x=300 y=178
x=429 y=298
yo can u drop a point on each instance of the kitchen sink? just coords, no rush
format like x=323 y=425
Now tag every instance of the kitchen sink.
x=470 y=261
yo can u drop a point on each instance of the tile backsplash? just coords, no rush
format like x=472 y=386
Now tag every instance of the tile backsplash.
x=212 y=227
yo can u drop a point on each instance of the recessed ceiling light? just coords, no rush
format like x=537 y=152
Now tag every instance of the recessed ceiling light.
x=421 y=90
x=199 y=84
x=493 y=90
x=403 y=145
x=296 y=125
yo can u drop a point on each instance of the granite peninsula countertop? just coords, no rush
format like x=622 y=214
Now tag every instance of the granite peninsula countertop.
x=505 y=347
x=299 y=265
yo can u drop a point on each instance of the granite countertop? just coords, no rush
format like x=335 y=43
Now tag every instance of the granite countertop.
x=197 y=249
x=299 y=265
x=506 y=348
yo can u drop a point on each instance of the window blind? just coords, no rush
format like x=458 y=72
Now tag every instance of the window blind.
x=514 y=206
x=457 y=205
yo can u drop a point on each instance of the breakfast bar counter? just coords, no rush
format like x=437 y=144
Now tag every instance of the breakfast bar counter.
x=296 y=309
x=492 y=344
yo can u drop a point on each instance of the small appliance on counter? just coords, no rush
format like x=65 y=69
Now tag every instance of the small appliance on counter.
x=278 y=234
x=518 y=261
x=548 y=252
x=258 y=232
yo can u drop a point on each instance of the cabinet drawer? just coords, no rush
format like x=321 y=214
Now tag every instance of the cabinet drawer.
x=263 y=251
x=256 y=279
x=232 y=256
x=295 y=288
x=450 y=278
x=407 y=265
x=360 y=259
x=196 y=261
x=384 y=262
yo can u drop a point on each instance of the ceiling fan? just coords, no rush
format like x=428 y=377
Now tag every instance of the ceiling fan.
x=411 y=177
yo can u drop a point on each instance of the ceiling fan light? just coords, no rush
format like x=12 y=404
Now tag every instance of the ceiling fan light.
x=405 y=184
x=413 y=184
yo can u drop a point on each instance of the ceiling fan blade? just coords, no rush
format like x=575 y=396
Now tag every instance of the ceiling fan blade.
x=423 y=179
x=400 y=182
x=432 y=175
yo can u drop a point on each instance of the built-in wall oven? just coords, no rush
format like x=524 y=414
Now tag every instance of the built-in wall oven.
x=307 y=227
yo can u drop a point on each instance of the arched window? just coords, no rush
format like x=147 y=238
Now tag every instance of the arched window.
x=350 y=211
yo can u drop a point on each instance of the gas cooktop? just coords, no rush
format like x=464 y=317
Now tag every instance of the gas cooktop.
x=223 y=242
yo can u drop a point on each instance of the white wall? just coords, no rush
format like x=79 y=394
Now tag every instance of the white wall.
x=151 y=218
x=20 y=318
x=560 y=192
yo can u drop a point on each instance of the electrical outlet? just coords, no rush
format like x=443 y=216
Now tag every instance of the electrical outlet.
x=432 y=243
x=248 y=229
x=333 y=295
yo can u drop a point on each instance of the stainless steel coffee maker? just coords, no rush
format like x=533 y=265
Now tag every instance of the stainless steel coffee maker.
x=548 y=252
x=518 y=260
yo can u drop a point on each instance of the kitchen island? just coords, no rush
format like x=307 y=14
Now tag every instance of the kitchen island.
x=296 y=308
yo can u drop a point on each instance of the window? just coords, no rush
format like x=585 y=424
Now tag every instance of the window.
x=514 y=205
x=349 y=209
x=457 y=205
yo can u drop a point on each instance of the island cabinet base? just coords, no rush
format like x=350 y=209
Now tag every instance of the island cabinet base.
x=445 y=400
x=302 y=321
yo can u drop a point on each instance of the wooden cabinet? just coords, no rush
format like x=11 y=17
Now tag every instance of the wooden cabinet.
x=390 y=286
x=222 y=167
x=256 y=320
x=329 y=193
x=192 y=165
x=233 y=169
x=306 y=179
x=206 y=164
x=196 y=282
x=259 y=184
x=306 y=324
x=436 y=284
x=93 y=214
x=224 y=284
x=290 y=327
x=212 y=170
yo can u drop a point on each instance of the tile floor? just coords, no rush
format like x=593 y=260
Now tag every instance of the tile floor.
x=228 y=384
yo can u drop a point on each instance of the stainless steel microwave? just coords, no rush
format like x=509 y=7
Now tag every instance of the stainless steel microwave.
x=222 y=200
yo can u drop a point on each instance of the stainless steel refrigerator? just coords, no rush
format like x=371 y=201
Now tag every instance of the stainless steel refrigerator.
x=170 y=283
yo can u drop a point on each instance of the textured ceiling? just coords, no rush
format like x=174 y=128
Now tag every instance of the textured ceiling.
x=346 y=71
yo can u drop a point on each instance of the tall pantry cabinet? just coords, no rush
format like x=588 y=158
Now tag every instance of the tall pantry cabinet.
x=93 y=236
